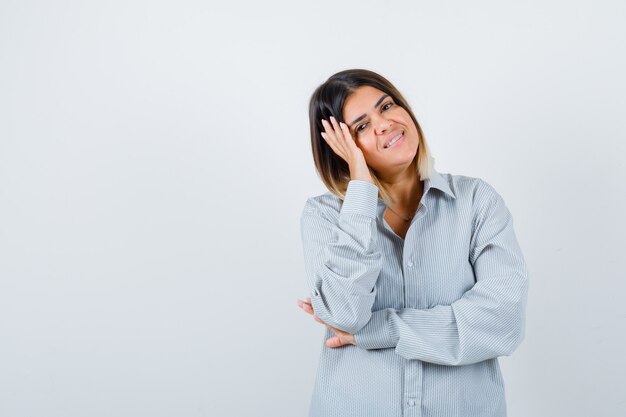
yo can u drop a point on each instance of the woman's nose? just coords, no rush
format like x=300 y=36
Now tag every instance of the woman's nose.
x=382 y=125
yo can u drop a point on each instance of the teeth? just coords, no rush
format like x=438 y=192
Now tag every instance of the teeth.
x=394 y=140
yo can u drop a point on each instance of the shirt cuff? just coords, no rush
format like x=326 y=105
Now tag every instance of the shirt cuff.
x=361 y=198
x=379 y=333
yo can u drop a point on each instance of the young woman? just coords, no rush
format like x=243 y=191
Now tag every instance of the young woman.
x=417 y=275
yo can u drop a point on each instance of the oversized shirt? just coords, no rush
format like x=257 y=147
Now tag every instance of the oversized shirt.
x=430 y=313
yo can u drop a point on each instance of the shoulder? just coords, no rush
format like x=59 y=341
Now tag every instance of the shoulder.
x=484 y=203
x=467 y=189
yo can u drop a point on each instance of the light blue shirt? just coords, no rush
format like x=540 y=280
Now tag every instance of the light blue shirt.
x=430 y=313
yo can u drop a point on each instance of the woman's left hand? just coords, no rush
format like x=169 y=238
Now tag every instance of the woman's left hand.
x=342 y=338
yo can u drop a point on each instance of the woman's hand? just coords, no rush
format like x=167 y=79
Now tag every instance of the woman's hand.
x=342 y=338
x=338 y=137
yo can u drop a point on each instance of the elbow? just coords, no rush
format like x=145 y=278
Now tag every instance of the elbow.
x=514 y=340
x=349 y=313
x=517 y=323
x=504 y=346
x=519 y=330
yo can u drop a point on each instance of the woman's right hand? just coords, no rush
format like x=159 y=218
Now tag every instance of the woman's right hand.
x=338 y=137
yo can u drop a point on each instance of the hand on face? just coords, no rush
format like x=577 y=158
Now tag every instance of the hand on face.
x=338 y=137
x=341 y=339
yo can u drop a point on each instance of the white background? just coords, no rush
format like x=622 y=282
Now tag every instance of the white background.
x=155 y=158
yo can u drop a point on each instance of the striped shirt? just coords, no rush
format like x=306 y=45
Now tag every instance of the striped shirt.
x=430 y=313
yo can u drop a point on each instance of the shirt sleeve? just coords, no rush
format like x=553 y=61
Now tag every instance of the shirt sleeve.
x=486 y=322
x=342 y=259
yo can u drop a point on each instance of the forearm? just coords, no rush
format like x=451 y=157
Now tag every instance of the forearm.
x=342 y=259
x=474 y=328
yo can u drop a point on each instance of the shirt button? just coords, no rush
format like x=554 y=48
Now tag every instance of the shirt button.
x=410 y=263
x=411 y=403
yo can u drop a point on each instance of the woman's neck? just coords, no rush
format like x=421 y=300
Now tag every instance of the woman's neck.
x=405 y=189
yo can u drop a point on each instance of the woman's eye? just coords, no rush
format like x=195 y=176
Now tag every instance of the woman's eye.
x=387 y=106
x=360 y=127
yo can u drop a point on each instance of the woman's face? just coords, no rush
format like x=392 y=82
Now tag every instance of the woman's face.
x=383 y=130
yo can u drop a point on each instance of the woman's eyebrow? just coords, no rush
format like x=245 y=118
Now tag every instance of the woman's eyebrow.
x=361 y=117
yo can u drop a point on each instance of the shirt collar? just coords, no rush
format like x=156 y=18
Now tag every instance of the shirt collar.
x=436 y=180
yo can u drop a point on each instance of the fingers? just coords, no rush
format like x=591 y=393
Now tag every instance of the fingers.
x=347 y=134
x=335 y=136
x=306 y=306
x=317 y=319
x=341 y=339
x=333 y=145
x=334 y=342
x=335 y=124
x=336 y=131
x=331 y=139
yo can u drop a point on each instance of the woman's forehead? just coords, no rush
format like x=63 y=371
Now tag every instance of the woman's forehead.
x=362 y=100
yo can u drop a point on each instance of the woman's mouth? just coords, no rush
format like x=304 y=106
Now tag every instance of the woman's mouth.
x=395 y=140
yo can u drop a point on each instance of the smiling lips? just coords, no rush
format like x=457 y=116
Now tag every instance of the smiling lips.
x=396 y=137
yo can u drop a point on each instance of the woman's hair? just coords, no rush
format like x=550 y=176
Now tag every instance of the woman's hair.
x=328 y=100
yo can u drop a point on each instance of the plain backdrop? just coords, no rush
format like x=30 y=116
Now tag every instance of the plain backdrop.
x=155 y=158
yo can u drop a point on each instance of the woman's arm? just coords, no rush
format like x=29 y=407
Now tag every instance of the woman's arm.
x=341 y=258
x=486 y=322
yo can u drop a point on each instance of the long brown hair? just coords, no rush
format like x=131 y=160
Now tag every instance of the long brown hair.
x=328 y=100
